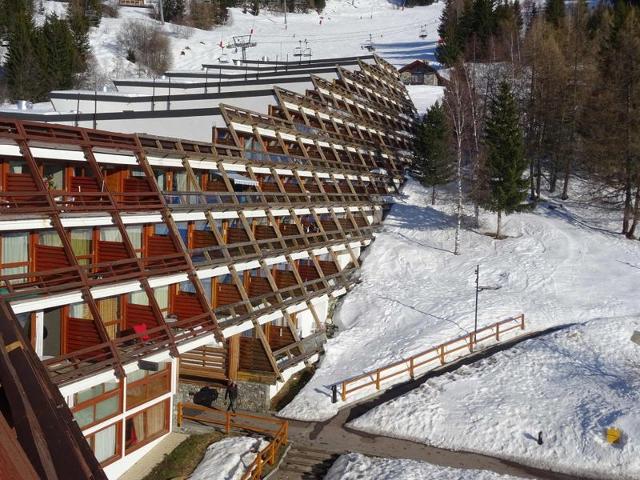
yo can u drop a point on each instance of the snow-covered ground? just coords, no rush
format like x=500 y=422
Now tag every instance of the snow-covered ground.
x=338 y=31
x=423 y=96
x=353 y=466
x=558 y=266
x=228 y=459
x=570 y=385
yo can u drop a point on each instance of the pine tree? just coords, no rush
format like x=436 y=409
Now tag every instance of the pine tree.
x=22 y=70
x=255 y=8
x=449 y=47
x=432 y=150
x=554 y=12
x=505 y=156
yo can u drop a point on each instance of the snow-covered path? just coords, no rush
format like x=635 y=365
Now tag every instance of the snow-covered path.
x=415 y=293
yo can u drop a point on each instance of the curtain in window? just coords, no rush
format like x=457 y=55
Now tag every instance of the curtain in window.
x=135 y=236
x=15 y=249
x=180 y=182
x=138 y=428
x=139 y=298
x=155 y=419
x=108 y=309
x=81 y=243
x=161 y=179
x=111 y=234
x=80 y=310
x=162 y=297
x=49 y=238
x=104 y=443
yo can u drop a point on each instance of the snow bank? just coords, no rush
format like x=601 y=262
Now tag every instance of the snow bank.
x=557 y=266
x=571 y=385
x=229 y=458
x=354 y=466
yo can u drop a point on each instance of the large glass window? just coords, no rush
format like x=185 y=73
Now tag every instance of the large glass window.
x=143 y=385
x=97 y=403
x=146 y=426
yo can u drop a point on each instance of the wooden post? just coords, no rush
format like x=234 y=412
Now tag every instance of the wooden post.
x=522 y=322
x=498 y=331
x=179 y=419
x=378 y=379
x=471 y=342
x=344 y=392
x=411 y=368
x=442 y=354
x=228 y=423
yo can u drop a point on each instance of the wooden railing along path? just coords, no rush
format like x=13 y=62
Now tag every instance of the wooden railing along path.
x=273 y=428
x=435 y=355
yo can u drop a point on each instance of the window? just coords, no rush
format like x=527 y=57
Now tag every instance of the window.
x=147 y=425
x=97 y=404
x=109 y=309
x=105 y=444
x=81 y=241
x=14 y=253
x=135 y=236
x=143 y=385
x=54 y=176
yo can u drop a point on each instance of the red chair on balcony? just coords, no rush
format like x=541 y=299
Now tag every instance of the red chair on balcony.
x=141 y=329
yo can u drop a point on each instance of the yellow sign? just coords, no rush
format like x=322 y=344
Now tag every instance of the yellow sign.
x=613 y=435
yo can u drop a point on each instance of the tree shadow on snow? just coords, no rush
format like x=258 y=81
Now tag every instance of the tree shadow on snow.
x=551 y=210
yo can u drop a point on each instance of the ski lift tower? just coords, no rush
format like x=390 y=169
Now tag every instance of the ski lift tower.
x=242 y=42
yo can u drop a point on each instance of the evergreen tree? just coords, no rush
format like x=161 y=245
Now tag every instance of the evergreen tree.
x=554 y=12
x=22 y=71
x=58 y=46
x=432 y=150
x=505 y=156
x=255 y=8
x=449 y=47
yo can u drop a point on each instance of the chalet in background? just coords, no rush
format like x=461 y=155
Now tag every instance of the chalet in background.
x=418 y=72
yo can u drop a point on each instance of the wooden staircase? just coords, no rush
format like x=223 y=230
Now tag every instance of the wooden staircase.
x=302 y=463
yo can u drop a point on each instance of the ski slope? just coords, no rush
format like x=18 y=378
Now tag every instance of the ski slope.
x=557 y=266
x=354 y=466
x=570 y=385
x=339 y=31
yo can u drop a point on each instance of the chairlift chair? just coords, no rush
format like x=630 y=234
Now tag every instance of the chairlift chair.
x=306 y=52
x=423 y=32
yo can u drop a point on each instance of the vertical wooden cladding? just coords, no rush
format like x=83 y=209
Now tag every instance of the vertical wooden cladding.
x=140 y=314
x=160 y=245
x=253 y=357
x=81 y=334
x=186 y=306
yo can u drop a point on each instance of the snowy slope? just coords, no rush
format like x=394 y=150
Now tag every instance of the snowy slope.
x=570 y=385
x=353 y=466
x=338 y=31
x=557 y=266
x=229 y=458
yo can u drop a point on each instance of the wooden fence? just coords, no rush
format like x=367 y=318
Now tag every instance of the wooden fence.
x=437 y=355
x=273 y=428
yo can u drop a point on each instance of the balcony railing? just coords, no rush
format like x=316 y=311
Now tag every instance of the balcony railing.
x=226 y=200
